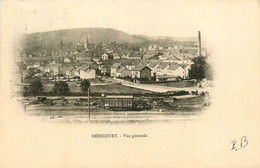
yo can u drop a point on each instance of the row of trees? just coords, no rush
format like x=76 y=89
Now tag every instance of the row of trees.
x=60 y=88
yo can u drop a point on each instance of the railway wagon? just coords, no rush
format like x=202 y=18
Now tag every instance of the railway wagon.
x=118 y=102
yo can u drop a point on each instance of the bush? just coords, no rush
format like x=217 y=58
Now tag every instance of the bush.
x=180 y=93
x=34 y=88
x=85 y=84
x=61 y=88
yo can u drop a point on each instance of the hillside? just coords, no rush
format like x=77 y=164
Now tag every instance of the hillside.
x=95 y=35
x=51 y=39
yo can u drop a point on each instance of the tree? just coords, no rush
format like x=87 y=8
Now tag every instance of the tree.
x=61 y=88
x=35 y=87
x=200 y=69
x=33 y=71
x=85 y=84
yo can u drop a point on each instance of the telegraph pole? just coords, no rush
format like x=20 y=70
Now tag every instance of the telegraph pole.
x=88 y=104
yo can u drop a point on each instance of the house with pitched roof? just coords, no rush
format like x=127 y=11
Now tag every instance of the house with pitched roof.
x=115 y=67
x=129 y=64
x=161 y=69
x=175 y=70
x=173 y=59
x=104 y=56
x=87 y=72
x=55 y=69
x=141 y=72
x=153 y=65
x=70 y=72
x=62 y=69
x=123 y=72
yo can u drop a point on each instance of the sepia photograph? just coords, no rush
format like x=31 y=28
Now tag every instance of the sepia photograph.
x=112 y=76
x=129 y=83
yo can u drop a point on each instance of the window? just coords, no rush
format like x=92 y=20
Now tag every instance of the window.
x=116 y=102
x=129 y=102
x=112 y=102
x=119 y=102
x=107 y=102
x=125 y=103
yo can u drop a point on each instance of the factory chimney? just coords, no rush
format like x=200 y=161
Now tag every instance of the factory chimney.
x=199 y=45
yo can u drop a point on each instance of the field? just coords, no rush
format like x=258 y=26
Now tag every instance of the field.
x=101 y=89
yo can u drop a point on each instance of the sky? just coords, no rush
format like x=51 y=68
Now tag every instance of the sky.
x=152 y=18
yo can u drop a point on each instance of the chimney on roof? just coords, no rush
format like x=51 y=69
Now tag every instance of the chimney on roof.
x=199 y=45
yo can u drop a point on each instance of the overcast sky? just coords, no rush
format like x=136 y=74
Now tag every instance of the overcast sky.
x=153 y=18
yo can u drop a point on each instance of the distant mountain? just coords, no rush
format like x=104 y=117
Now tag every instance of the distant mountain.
x=95 y=35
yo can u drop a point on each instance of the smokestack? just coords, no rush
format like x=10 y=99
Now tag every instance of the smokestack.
x=199 y=47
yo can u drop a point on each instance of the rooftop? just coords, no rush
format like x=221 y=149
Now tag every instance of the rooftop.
x=120 y=96
x=139 y=67
x=173 y=67
x=162 y=66
x=116 y=65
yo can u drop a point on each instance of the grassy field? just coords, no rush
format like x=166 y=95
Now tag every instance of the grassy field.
x=100 y=89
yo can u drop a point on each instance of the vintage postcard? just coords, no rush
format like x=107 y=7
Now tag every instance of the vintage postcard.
x=129 y=83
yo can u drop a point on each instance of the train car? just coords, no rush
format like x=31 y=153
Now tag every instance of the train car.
x=118 y=102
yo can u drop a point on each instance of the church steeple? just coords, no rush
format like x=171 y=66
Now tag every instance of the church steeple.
x=86 y=42
x=61 y=50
